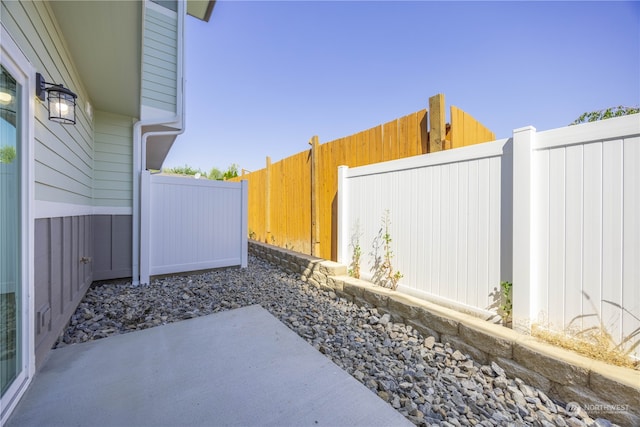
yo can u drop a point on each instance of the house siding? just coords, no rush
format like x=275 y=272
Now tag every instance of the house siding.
x=160 y=58
x=60 y=278
x=63 y=154
x=112 y=246
x=112 y=180
x=77 y=167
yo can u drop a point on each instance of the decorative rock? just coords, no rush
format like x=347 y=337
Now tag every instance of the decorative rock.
x=575 y=422
x=429 y=342
x=500 y=382
x=497 y=369
x=429 y=382
x=384 y=320
x=458 y=356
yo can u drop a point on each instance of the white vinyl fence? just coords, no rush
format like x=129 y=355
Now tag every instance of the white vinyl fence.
x=190 y=224
x=556 y=212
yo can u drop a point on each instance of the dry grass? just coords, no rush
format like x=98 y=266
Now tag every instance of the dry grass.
x=595 y=343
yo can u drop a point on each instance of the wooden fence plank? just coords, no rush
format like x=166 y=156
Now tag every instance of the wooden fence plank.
x=403 y=137
x=423 y=116
x=390 y=137
x=413 y=133
x=267 y=207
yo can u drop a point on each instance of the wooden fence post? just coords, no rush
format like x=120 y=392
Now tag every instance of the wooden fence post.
x=267 y=202
x=315 y=206
x=437 y=125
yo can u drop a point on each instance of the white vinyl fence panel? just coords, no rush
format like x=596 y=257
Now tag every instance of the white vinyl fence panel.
x=556 y=212
x=586 y=219
x=192 y=225
x=445 y=213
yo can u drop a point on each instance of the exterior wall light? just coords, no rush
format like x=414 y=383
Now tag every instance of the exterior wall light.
x=61 y=101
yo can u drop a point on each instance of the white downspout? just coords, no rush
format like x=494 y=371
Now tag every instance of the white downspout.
x=139 y=165
x=143 y=225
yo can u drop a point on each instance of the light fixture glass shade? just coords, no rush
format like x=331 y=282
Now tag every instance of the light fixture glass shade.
x=61 y=101
x=62 y=105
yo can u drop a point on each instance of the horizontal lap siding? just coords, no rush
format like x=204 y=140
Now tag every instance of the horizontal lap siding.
x=63 y=154
x=159 y=64
x=113 y=160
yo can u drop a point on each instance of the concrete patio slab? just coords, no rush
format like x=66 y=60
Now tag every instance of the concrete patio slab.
x=236 y=368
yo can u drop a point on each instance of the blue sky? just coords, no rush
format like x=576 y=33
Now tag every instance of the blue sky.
x=264 y=77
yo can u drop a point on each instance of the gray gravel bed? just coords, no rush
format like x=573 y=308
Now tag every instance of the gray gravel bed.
x=428 y=382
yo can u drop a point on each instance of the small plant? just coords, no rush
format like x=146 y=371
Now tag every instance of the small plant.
x=593 y=341
x=506 y=301
x=252 y=235
x=354 y=267
x=608 y=113
x=384 y=274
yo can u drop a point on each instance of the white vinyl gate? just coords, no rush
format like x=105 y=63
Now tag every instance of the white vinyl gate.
x=191 y=224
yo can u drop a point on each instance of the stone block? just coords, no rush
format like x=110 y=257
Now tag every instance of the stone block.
x=326 y=287
x=319 y=277
x=615 y=389
x=353 y=288
x=331 y=268
x=406 y=311
x=459 y=344
x=342 y=294
x=551 y=362
x=308 y=264
x=335 y=282
x=487 y=340
x=424 y=330
x=441 y=324
x=515 y=370
x=376 y=299
x=624 y=414
x=361 y=302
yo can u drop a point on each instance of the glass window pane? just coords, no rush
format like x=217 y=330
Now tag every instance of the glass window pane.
x=10 y=231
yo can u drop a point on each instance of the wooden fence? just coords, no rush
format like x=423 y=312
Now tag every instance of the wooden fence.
x=292 y=202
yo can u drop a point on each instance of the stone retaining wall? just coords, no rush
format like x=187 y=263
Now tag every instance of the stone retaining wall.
x=603 y=390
